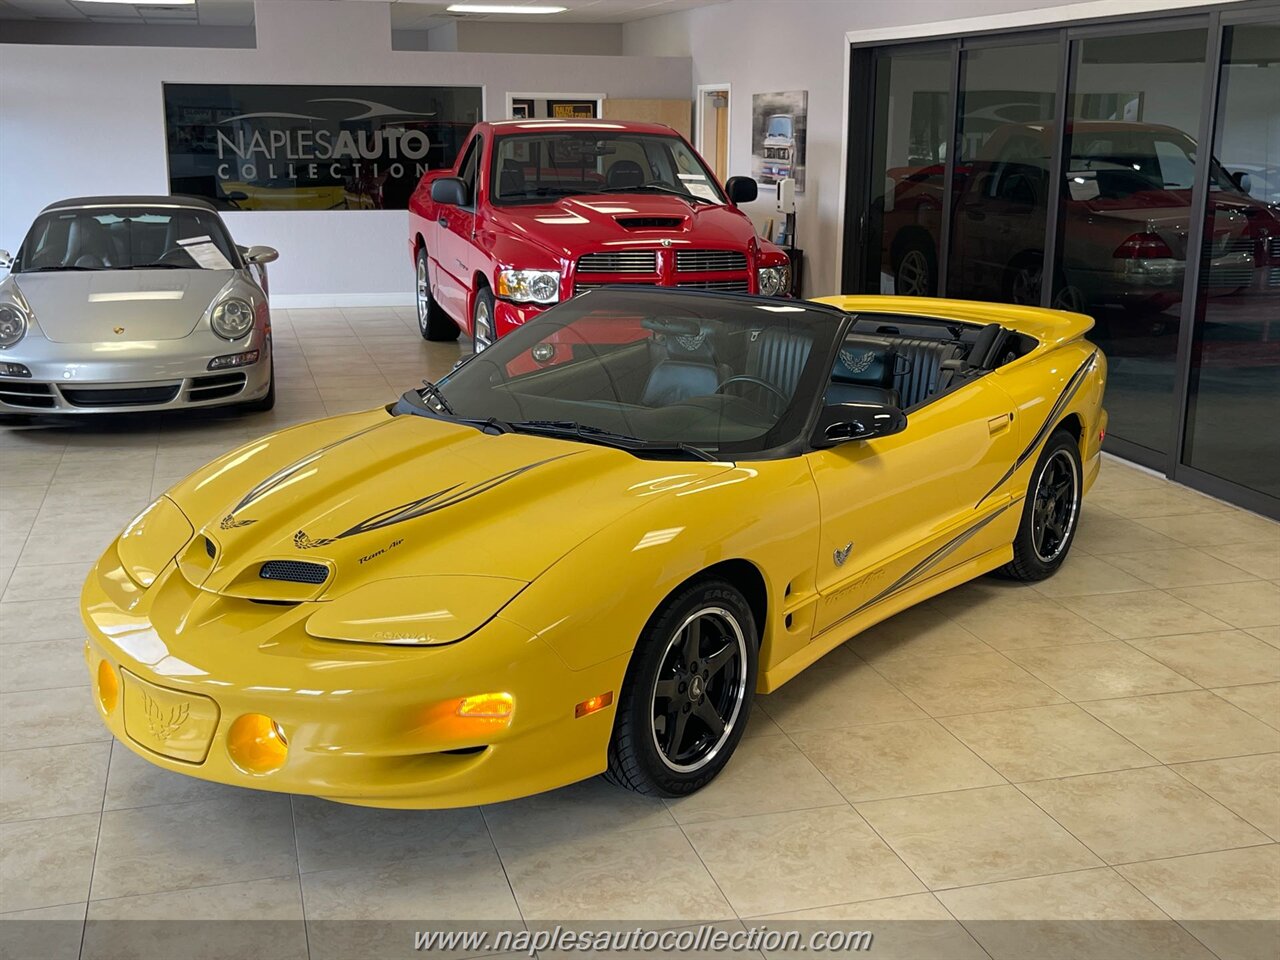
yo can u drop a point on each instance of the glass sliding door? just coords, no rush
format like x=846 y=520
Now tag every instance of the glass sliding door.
x=910 y=124
x=1233 y=408
x=1001 y=188
x=1125 y=213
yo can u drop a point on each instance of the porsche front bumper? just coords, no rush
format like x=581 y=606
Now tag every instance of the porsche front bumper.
x=367 y=724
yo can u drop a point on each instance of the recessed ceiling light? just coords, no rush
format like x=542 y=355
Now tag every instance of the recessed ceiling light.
x=501 y=8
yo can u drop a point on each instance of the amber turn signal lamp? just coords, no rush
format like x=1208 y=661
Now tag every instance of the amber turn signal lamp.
x=592 y=704
x=256 y=744
x=487 y=706
x=108 y=686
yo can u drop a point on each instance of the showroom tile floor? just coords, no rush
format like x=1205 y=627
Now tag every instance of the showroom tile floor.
x=1007 y=771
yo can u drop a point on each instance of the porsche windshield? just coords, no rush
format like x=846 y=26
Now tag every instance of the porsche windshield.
x=126 y=238
x=694 y=374
x=533 y=168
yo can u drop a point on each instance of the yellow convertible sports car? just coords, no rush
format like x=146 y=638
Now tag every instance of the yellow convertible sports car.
x=588 y=547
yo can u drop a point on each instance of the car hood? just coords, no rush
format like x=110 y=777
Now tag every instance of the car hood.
x=87 y=306
x=573 y=226
x=375 y=496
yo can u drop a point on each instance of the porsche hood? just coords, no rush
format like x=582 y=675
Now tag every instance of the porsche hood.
x=371 y=496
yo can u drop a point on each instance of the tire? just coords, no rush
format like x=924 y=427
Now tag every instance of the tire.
x=1049 y=518
x=433 y=323
x=647 y=754
x=915 y=270
x=268 y=400
x=483 y=332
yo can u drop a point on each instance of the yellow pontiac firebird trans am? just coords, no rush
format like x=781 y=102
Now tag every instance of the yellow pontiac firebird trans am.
x=588 y=547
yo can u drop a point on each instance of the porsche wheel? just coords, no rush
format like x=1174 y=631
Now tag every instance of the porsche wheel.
x=1050 y=512
x=687 y=693
x=433 y=323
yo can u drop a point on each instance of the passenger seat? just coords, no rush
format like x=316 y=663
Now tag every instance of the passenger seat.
x=864 y=371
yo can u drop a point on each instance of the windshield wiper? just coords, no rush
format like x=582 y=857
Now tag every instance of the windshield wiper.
x=436 y=394
x=417 y=406
x=157 y=266
x=609 y=438
x=660 y=188
x=57 y=269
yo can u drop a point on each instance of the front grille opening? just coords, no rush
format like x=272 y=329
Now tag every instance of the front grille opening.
x=216 y=387
x=124 y=397
x=294 y=571
x=20 y=393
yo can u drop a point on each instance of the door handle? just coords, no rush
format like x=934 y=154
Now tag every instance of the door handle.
x=999 y=424
x=444 y=222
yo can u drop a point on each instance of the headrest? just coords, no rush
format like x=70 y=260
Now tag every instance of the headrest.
x=864 y=361
x=625 y=173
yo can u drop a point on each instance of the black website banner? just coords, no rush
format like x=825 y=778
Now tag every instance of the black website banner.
x=292 y=147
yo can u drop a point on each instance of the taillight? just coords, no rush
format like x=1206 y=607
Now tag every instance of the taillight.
x=1143 y=246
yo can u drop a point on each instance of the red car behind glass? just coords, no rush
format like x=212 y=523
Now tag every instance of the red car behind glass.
x=536 y=211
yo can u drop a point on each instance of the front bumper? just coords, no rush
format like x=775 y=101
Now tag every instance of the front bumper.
x=137 y=377
x=364 y=723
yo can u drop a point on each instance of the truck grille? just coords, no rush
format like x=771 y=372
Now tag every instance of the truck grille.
x=579 y=287
x=710 y=261
x=725 y=286
x=620 y=261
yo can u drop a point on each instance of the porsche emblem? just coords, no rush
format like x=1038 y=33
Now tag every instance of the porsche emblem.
x=118 y=331
x=162 y=724
x=841 y=554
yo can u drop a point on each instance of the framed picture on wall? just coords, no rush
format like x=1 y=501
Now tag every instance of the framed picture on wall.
x=522 y=110
x=572 y=109
x=778 y=125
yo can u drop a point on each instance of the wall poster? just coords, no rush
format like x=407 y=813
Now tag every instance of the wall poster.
x=294 y=147
x=778 y=122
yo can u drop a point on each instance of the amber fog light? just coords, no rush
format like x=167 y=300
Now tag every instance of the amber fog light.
x=257 y=744
x=108 y=686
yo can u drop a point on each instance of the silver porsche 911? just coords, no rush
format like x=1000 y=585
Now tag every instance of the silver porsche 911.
x=133 y=303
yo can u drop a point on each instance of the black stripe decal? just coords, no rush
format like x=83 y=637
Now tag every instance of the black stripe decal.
x=1069 y=392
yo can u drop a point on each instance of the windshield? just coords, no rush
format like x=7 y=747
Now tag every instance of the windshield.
x=530 y=167
x=126 y=238
x=779 y=126
x=1119 y=164
x=733 y=377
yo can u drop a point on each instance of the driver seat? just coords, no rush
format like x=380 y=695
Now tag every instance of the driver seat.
x=685 y=366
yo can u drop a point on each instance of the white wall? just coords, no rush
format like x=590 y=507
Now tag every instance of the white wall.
x=90 y=120
x=761 y=46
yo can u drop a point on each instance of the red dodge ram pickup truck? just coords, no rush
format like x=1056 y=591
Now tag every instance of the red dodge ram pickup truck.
x=536 y=211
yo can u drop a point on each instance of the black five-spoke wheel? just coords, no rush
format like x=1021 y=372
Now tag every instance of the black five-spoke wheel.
x=1051 y=511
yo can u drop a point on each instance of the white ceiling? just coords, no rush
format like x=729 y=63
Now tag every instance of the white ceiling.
x=405 y=14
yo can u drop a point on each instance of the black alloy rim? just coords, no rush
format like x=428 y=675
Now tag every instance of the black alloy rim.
x=1055 y=507
x=697 y=696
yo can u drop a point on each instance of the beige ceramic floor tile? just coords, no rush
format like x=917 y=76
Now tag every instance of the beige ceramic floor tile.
x=1114 y=534
x=780 y=862
x=613 y=877
x=27 y=620
x=1015 y=617
x=1043 y=742
x=1150 y=613
x=765 y=775
x=1070 y=916
x=975 y=836
x=1250 y=786
x=1269 y=635
x=54 y=581
x=1170 y=501
x=154 y=849
x=44 y=863
x=1086 y=576
x=920 y=632
x=895 y=760
x=1227 y=900
x=1094 y=671
x=43 y=665
x=52 y=781
x=1215 y=529
x=585 y=809
x=1184 y=567
x=1144 y=814
x=50 y=933
x=1261 y=700
x=49 y=718
x=1181 y=727
x=1216 y=659
x=840 y=690
x=331 y=836
x=134 y=782
x=945 y=686
x=760 y=724
x=1260 y=559
x=1252 y=604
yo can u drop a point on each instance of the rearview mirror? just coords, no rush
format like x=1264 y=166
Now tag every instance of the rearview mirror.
x=6 y=260
x=1241 y=180
x=449 y=190
x=841 y=422
x=261 y=255
x=741 y=190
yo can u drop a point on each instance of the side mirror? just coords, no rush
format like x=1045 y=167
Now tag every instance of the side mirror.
x=261 y=255
x=741 y=190
x=841 y=422
x=6 y=260
x=450 y=190
x=1241 y=180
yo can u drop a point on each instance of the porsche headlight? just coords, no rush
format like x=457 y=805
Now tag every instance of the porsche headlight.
x=13 y=324
x=232 y=318
x=774 y=281
x=529 y=286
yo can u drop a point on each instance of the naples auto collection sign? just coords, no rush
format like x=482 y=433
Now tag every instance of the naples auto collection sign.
x=294 y=147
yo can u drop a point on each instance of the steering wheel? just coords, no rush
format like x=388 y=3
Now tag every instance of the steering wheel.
x=755 y=381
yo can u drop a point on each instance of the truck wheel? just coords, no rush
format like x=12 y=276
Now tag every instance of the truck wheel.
x=915 y=274
x=687 y=693
x=433 y=323
x=1050 y=512
x=483 y=331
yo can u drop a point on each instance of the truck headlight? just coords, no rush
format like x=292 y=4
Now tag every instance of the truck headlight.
x=774 y=281
x=232 y=318
x=13 y=324
x=529 y=286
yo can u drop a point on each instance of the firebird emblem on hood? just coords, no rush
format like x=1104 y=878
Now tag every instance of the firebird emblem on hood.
x=447 y=497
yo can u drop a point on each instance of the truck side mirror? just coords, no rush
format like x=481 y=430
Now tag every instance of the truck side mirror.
x=449 y=190
x=741 y=190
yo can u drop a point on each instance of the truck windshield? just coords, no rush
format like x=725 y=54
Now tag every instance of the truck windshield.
x=532 y=167
x=779 y=126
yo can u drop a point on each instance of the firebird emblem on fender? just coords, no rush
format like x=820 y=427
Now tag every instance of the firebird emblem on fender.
x=841 y=554
x=164 y=725
x=229 y=522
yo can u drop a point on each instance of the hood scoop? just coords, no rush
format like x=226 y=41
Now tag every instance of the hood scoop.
x=650 y=223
